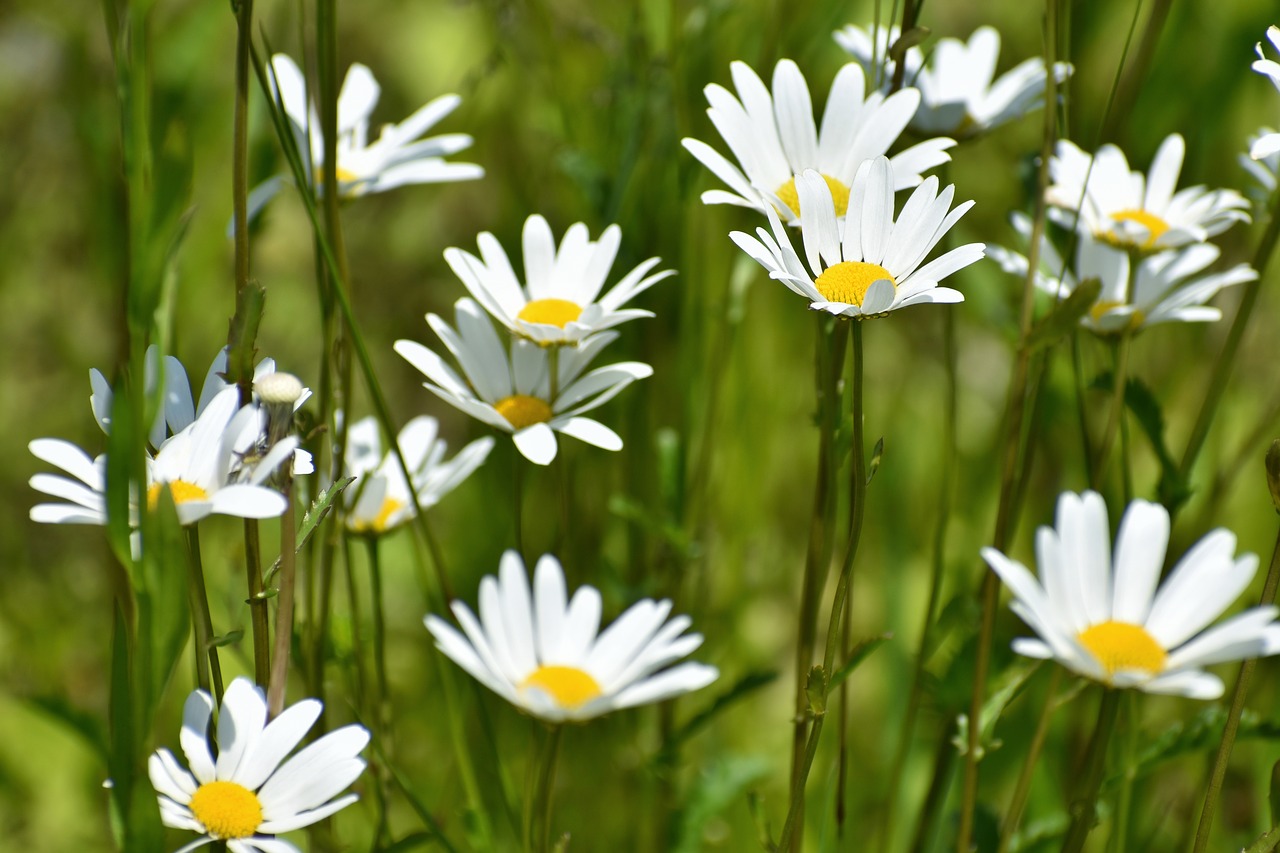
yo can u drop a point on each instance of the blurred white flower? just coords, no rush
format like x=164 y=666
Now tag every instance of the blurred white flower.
x=545 y=654
x=1103 y=616
x=774 y=139
x=513 y=391
x=559 y=300
x=864 y=264
x=1263 y=169
x=1269 y=143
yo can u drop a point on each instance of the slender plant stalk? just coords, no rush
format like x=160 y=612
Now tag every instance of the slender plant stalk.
x=791 y=831
x=538 y=806
x=382 y=709
x=1119 y=835
x=1021 y=791
x=258 y=615
x=284 y=612
x=208 y=668
x=944 y=755
x=910 y=15
x=1084 y=808
x=828 y=361
x=1238 y=696
x=1119 y=377
x=517 y=497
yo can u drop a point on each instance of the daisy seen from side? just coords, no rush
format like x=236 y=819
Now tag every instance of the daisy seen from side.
x=249 y=793
x=865 y=264
x=1102 y=616
x=544 y=653
x=511 y=388
x=1267 y=144
x=559 y=301
x=773 y=138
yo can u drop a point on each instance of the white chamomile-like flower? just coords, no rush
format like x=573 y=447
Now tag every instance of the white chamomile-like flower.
x=958 y=95
x=249 y=793
x=1263 y=169
x=1103 y=617
x=864 y=264
x=1132 y=210
x=1170 y=286
x=559 y=301
x=774 y=138
x=398 y=157
x=202 y=466
x=1268 y=143
x=513 y=391
x=381 y=499
x=544 y=653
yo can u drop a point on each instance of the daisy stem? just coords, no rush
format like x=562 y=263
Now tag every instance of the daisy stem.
x=910 y=14
x=284 y=612
x=517 y=498
x=1119 y=379
x=828 y=361
x=1084 y=808
x=382 y=710
x=1018 y=802
x=538 y=807
x=257 y=604
x=1238 y=695
x=208 y=668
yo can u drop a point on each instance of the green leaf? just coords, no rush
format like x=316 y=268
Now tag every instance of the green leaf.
x=1065 y=316
x=873 y=464
x=1012 y=682
x=311 y=520
x=744 y=686
x=720 y=784
x=857 y=655
x=816 y=689
x=1145 y=408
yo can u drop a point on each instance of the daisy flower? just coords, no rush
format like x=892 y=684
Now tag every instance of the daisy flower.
x=543 y=652
x=1103 y=616
x=381 y=501
x=864 y=264
x=958 y=96
x=202 y=466
x=1169 y=286
x=557 y=302
x=1268 y=144
x=248 y=793
x=774 y=139
x=1132 y=210
x=398 y=157
x=513 y=391
x=1263 y=169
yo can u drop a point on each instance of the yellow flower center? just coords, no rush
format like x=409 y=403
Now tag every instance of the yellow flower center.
x=182 y=492
x=226 y=809
x=1102 y=306
x=550 y=312
x=791 y=197
x=390 y=506
x=345 y=176
x=1154 y=224
x=568 y=685
x=522 y=411
x=1121 y=646
x=848 y=281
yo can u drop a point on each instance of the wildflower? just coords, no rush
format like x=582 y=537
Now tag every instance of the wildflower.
x=559 y=301
x=1263 y=169
x=864 y=264
x=774 y=139
x=381 y=500
x=514 y=391
x=1103 y=616
x=248 y=794
x=1132 y=210
x=1269 y=143
x=544 y=655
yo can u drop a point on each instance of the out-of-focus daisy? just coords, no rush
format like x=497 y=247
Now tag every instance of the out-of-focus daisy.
x=1263 y=169
x=1132 y=210
x=381 y=499
x=249 y=793
x=865 y=264
x=1169 y=286
x=513 y=391
x=1103 y=617
x=544 y=653
x=774 y=138
x=557 y=303
x=202 y=466
x=398 y=157
x=1269 y=143
x=957 y=94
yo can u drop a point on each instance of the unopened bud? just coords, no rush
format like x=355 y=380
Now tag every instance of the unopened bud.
x=278 y=389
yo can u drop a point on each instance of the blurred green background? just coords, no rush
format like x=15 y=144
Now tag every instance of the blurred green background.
x=577 y=110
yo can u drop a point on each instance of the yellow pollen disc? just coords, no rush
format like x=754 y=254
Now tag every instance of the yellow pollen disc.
x=791 y=198
x=1122 y=645
x=345 y=176
x=1101 y=307
x=551 y=312
x=226 y=809
x=182 y=492
x=1154 y=224
x=848 y=281
x=390 y=507
x=568 y=685
x=521 y=410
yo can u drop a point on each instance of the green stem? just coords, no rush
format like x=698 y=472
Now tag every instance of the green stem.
x=257 y=604
x=208 y=668
x=1238 y=695
x=1119 y=379
x=379 y=631
x=284 y=611
x=1118 y=837
x=1018 y=803
x=517 y=497
x=538 y=806
x=792 y=833
x=1084 y=808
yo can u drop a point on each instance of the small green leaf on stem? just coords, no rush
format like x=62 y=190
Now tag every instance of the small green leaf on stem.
x=1065 y=316
x=873 y=464
x=859 y=653
x=906 y=41
x=816 y=690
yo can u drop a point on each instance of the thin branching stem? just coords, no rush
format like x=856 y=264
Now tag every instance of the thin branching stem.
x=258 y=616
x=1022 y=789
x=1084 y=807
x=208 y=666
x=284 y=612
